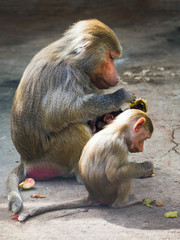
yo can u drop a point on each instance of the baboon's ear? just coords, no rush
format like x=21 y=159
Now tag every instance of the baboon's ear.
x=139 y=124
x=82 y=46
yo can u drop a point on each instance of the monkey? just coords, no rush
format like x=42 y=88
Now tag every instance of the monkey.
x=61 y=89
x=100 y=122
x=104 y=167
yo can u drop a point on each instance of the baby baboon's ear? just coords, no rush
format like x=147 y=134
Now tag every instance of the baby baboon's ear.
x=139 y=124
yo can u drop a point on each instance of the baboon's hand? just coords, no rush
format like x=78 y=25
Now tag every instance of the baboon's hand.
x=125 y=95
x=148 y=168
x=130 y=96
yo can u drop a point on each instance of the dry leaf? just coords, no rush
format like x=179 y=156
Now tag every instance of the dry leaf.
x=37 y=196
x=159 y=203
x=161 y=68
x=138 y=78
x=145 y=71
x=129 y=74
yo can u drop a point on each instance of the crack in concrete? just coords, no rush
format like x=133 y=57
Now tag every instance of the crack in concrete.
x=173 y=140
x=176 y=144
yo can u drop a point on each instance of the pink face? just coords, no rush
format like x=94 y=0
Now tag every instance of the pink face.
x=136 y=140
x=105 y=75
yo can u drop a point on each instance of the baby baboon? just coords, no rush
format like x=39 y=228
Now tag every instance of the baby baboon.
x=104 y=167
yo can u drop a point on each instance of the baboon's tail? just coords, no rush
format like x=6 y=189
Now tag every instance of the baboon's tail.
x=84 y=202
x=15 y=177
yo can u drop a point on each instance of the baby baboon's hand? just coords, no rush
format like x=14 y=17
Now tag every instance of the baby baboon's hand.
x=148 y=168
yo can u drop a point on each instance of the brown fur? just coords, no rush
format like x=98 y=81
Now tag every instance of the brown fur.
x=104 y=167
x=58 y=94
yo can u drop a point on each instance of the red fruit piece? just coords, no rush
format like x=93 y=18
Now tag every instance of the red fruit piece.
x=27 y=184
x=15 y=218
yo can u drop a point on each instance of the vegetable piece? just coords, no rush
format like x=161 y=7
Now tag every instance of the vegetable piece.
x=148 y=202
x=171 y=214
x=27 y=184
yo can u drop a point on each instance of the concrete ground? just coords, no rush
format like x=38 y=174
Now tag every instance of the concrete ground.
x=149 y=67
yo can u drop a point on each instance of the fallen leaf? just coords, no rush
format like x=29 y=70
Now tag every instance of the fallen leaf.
x=37 y=196
x=171 y=214
x=138 y=78
x=147 y=79
x=145 y=71
x=161 y=68
x=177 y=182
x=129 y=74
x=159 y=203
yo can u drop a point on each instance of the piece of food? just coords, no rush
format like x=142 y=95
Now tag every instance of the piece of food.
x=15 y=218
x=27 y=184
x=148 y=202
x=171 y=214
x=140 y=104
